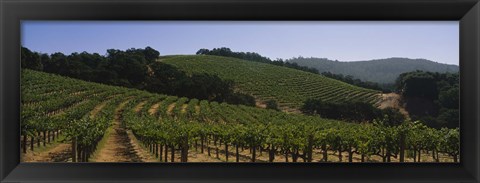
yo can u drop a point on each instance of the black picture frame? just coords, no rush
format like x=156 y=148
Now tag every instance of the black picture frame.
x=12 y=12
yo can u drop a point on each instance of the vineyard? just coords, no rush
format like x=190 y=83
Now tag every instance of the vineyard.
x=289 y=87
x=87 y=116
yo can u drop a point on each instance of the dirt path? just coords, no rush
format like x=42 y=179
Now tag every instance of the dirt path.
x=59 y=153
x=197 y=156
x=139 y=106
x=197 y=109
x=393 y=100
x=170 y=108
x=143 y=154
x=184 y=108
x=260 y=104
x=97 y=109
x=153 y=110
x=118 y=146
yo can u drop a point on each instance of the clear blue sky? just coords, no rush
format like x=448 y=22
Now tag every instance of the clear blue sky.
x=337 y=40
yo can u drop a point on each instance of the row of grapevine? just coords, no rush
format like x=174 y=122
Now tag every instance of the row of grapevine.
x=265 y=81
x=185 y=125
x=64 y=110
x=287 y=135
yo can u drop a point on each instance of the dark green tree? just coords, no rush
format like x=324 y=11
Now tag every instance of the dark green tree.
x=449 y=98
x=272 y=104
x=151 y=54
x=30 y=60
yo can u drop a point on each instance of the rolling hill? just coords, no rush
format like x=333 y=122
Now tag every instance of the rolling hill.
x=92 y=113
x=289 y=87
x=101 y=123
x=379 y=71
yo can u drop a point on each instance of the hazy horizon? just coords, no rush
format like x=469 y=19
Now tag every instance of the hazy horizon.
x=344 y=41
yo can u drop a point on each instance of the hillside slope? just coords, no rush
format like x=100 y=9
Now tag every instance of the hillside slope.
x=379 y=71
x=52 y=103
x=43 y=93
x=289 y=87
x=117 y=124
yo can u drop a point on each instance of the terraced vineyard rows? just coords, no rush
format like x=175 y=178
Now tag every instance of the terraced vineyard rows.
x=81 y=117
x=289 y=87
x=180 y=129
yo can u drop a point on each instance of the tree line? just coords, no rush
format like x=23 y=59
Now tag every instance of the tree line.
x=431 y=97
x=135 y=68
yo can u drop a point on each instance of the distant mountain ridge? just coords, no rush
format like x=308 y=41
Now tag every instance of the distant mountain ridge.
x=379 y=70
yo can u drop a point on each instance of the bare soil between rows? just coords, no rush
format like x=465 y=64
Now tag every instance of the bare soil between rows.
x=119 y=147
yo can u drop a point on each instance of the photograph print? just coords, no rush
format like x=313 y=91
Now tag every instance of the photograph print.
x=240 y=91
